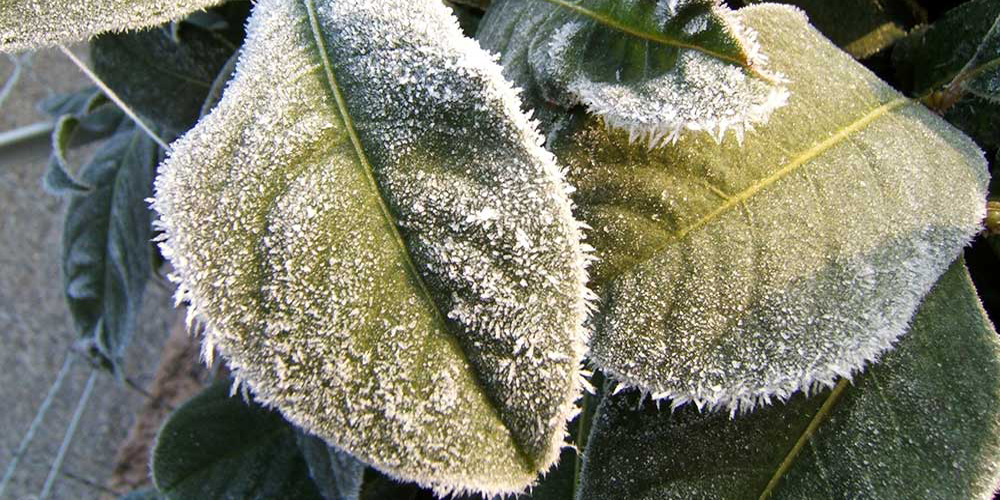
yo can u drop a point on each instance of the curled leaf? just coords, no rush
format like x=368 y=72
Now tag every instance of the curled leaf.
x=654 y=69
x=733 y=275
x=379 y=246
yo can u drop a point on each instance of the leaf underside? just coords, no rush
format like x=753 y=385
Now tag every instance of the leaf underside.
x=732 y=275
x=651 y=68
x=379 y=246
x=34 y=24
x=107 y=256
x=922 y=423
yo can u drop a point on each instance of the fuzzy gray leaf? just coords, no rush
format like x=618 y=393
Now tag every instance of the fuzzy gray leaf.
x=379 y=246
x=33 y=24
x=731 y=275
x=922 y=423
x=338 y=475
x=653 y=68
x=983 y=70
x=107 y=256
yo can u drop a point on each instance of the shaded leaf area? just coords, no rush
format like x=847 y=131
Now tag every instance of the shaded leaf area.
x=860 y=27
x=107 y=253
x=380 y=247
x=143 y=494
x=929 y=59
x=221 y=447
x=982 y=72
x=468 y=16
x=81 y=117
x=922 y=423
x=654 y=68
x=34 y=24
x=338 y=475
x=163 y=76
x=731 y=274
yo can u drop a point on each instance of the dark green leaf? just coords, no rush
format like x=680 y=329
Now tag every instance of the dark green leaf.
x=731 y=273
x=982 y=72
x=922 y=423
x=378 y=486
x=162 y=78
x=931 y=57
x=59 y=178
x=653 y=68
x=860 y=27
x=337 y=475
x=144 y=494
x=106 y=242
x=218 y=446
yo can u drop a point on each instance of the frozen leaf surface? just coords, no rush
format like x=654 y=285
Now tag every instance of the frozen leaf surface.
x=730 y=275
x=983 y=69
x=653 y=68
x=378 y=245
x=922 y=423
x=33 y=24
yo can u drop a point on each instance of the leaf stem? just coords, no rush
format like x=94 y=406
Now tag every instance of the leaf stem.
x=115 y=98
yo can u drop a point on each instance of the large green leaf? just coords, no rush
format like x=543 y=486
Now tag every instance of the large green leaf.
x=922 y=423
x=653 y=68
x=33 y=24
x=162 y=77
x=378 y=245
x=732 y=274
x=219 y=446
x=107 y=255
x=931 y=57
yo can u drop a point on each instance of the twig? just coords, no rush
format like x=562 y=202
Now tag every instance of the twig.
x=68 y=437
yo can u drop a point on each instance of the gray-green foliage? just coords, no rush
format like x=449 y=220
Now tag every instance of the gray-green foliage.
x=921 y=423
x=982 y=72
x=163 y=76
x=732 y=273
x=221 y=447
x=107 y=254
x=380 y=247
x=654 y=69
x=338 y=475
x=930 y=58
x=33 y=24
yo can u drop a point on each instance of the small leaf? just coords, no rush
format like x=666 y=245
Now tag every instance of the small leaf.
x=34 y=24
x=59 y=179
x=106 y=242
x=733 y=275
x=860 y=27
x=219 y=446
x=652 y=68
x=379 y=246
x=162 y=79
x=337 y=474
x=922 y=423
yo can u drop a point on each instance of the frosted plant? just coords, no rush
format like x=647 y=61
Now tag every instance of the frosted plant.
x=654 y=69
x=32 y=24
x=981 y=75
x=734 y=275
x=379 y=246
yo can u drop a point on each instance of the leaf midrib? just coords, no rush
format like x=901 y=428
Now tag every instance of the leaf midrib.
x=388 y=218
x=801 y=159
x=628 y=30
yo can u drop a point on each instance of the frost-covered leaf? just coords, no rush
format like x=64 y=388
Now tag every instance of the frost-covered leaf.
x=219 y=446
x=922 y=423
x=33 y=24
x=930 y=58
x=733 y=274
x=653 y=68
x=59 y=178
x=162 y=78
x=338 y=475
x=106 y=259
x=860 y=27
x=380 y=248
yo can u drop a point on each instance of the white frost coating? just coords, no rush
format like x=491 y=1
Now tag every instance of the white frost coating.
x=702 y=91
x=785 y=263
x=33 y=24
x=414 y=294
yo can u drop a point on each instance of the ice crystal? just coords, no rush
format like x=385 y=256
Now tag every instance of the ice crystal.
x=379 y=246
